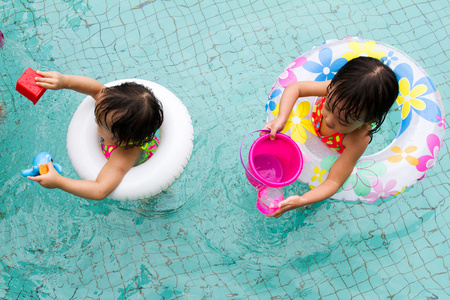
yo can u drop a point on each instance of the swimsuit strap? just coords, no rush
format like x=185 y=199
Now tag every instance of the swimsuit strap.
x=333 y=141
x=108 y=149
x=150 y=147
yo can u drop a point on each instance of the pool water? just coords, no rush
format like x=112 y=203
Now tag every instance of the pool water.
x=203 y=237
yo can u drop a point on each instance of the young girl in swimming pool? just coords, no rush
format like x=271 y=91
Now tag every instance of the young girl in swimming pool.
x=127 y=117
x=353 y=105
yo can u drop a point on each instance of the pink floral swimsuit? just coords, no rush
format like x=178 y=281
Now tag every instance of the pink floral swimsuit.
x=333 y=141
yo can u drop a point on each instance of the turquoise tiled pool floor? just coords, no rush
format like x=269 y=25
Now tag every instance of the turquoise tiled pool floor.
x=203 y=237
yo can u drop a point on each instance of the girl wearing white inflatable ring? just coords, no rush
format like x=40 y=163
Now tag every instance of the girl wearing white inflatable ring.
x=126 y=115
x=361 y=92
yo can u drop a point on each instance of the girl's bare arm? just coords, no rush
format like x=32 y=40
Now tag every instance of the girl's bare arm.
x=355 y=144
x=82 y=84
x=290 y=95
x=107 y=180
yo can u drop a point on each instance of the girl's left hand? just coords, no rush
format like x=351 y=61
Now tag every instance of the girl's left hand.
x=48 y=180
x=288 y=204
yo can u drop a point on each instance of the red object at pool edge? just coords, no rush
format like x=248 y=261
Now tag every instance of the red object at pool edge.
x=26 y=85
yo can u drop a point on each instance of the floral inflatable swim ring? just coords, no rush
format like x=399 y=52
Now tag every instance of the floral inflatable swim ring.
x=150 y=177
x=402 y=163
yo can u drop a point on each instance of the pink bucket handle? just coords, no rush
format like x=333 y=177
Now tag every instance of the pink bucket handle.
x=242 y=160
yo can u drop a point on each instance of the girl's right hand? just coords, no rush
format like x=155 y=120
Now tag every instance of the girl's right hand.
x=51 y=80
x=274 y=126
x=49 y=180
x=288 y=204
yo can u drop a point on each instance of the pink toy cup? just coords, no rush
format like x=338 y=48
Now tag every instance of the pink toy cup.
x=268 y=199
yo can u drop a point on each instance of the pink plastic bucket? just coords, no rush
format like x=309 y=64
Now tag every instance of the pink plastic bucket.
x=274 y=163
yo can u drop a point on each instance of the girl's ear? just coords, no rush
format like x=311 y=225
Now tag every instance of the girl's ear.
x=370 y=125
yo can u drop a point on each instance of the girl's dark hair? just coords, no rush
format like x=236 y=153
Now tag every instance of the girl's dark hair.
x=133 y=111
x=365 y=89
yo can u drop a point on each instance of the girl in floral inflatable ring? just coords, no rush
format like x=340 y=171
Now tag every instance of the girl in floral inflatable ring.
x=351 y=108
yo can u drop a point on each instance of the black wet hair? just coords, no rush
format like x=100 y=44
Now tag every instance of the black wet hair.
x=365 y=89
x=135 y=113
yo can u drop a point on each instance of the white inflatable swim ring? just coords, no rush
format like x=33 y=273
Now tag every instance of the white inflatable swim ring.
x=150 y=177
x=402 y=163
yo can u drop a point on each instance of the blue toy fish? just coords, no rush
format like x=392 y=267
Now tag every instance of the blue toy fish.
x=40 y=165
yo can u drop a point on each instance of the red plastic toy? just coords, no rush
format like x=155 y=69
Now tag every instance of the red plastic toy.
x=26 y=85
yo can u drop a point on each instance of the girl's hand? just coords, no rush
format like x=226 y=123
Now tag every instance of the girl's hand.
x=48 y=180
x=274 y=126
x=51 y=80
x=288 y=204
